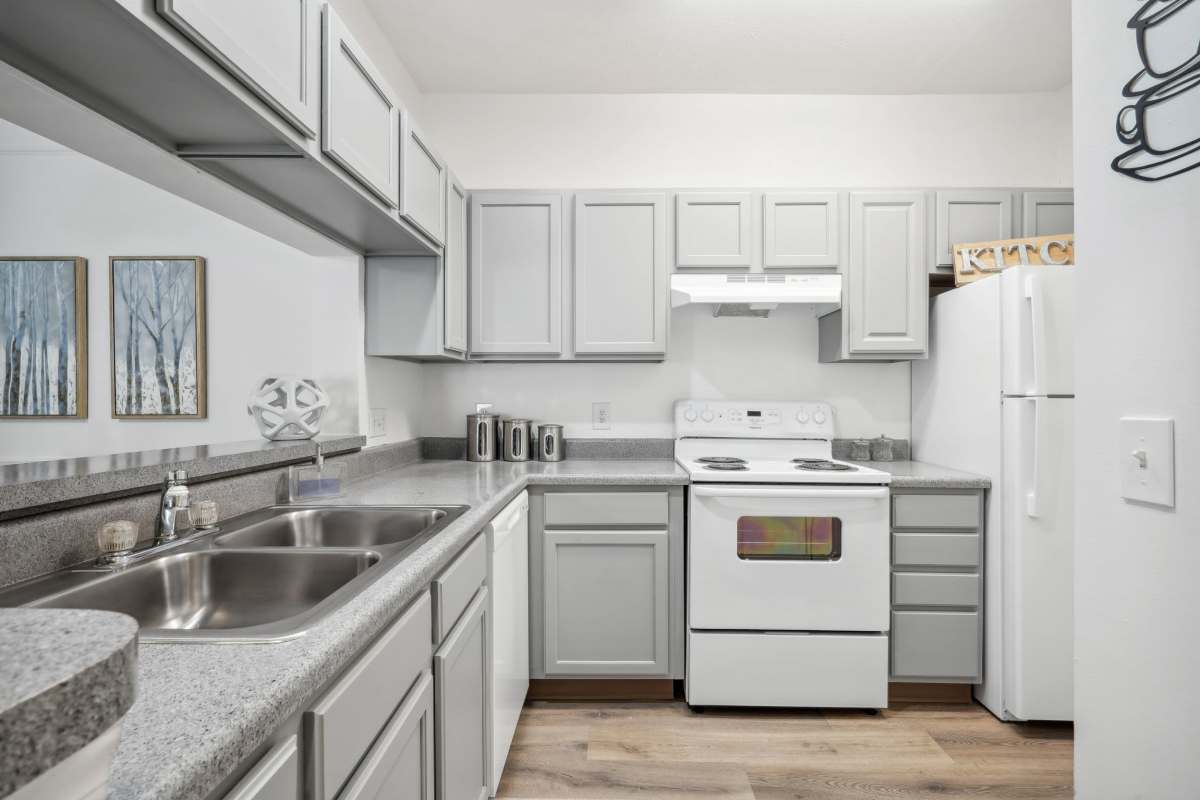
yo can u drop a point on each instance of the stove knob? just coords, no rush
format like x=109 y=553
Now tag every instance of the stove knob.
x=707 y=416
x=690 y=415
x=819 y=417
x=802 y=416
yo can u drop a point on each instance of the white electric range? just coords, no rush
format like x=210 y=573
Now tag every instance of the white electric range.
x=788 y=559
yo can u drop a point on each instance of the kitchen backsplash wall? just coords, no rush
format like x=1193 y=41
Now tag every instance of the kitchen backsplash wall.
x=727 y=357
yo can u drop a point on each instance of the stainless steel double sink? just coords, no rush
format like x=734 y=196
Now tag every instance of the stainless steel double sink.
x=266 y=576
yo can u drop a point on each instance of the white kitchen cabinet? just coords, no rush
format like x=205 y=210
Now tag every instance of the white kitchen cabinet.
x=400 y=763
x=361 y=116
x=970 y=215
x=885 y=296
x=712 y=229
x=271 y=46
x=454 y=260
x=516 y=273
x=422 y=183
x=462 y=706
x=620 y=273
x=606 y=602
x=801 y=229
x=1047 y=213
x=275 y=777
x=407 y=306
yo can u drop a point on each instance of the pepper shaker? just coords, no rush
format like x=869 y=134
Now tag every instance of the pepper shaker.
x=882 y=449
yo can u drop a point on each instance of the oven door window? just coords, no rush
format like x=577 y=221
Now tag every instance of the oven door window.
x=765 y=538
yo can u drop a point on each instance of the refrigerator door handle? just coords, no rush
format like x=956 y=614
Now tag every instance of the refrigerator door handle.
x=1031 y=497
x=1037 y=331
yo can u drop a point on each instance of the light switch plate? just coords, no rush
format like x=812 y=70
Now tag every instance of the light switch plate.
x=601 y=416
x=1147 y=460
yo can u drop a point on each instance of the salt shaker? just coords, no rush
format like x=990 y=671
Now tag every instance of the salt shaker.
x=882 y=449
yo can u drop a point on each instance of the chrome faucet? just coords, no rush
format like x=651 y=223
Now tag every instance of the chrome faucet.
x=174 y=516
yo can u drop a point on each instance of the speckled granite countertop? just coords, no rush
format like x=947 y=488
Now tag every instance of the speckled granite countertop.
x=66 y=677
x=920 y=475
x=202 y=709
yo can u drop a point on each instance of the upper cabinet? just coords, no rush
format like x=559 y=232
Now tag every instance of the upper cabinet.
x=516 y=273
x=970 y=215
x=268 y=45
x=620 y=273
x=455 y=267
x=712 y=229
x=361 y=129
x=885 y=297
x=1047 y=213
x=801 y=229
x=423 y=184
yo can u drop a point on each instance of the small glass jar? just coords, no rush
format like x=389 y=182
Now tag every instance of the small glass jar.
x=204 y=514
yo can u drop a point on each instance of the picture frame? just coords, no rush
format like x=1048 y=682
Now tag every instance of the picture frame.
x=50 y=292
x=158 y=337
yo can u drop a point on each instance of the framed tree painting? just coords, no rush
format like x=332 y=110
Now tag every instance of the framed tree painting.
x=156 y=308
x=43 y=334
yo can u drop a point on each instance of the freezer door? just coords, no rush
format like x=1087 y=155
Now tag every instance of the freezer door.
x=1038 y=531
x=1038 y=328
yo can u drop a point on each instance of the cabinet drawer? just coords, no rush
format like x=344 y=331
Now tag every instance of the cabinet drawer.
x=935 y=511
x=342 y=725
x=275 y=777
x=458 y=583
x=401 y=762
x=935 y=549
x=606 y=508
x=935 y=589
x=936 y=645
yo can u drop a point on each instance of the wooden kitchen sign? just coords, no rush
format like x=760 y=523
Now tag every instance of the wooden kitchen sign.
x=979 y=259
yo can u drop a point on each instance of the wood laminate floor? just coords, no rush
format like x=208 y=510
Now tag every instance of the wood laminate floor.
x=598 y=751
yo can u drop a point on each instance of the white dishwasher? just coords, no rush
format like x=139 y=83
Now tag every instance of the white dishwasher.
x=510 y=638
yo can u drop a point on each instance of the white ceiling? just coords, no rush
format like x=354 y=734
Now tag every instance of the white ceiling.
x=745 y=46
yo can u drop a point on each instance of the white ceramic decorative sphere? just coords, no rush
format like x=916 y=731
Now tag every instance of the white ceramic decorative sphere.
x=288 y=408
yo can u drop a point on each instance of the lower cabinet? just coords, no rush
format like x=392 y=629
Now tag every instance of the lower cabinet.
x=463 y=706
x=937 y=586
x=275 y=777
x=606 y=602
x=401 y=762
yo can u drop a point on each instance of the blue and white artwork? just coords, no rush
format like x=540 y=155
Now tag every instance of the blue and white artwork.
x=158 y=349
x=43 y=332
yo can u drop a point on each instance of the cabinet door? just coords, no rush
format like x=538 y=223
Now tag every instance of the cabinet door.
x=971 y=215
x=463 y=706
x=275 y=777
x=886 y=296
x=400 y=763
x=422 y=184
x=516 y=273
x=712 y=229
x=1048 y=213
x=620 y=273
x=269 y=45
x=606 y=595
x=800 y=229
x=361 y=129
x=454 y=290
x=943 y=646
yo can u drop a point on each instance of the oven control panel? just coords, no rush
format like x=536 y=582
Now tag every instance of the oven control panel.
x=767 y=420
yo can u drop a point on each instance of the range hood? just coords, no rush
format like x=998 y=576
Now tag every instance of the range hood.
x=753 y=294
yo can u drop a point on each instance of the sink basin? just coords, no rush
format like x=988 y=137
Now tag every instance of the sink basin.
x=381 y=527
x=223 y=594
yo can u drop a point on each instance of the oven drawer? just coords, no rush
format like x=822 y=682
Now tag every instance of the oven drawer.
x=936 y=511
x=935 y=589
x=787 y=669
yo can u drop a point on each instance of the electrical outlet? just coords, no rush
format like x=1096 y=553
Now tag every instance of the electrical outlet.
x=378 y=422
x=601 y=416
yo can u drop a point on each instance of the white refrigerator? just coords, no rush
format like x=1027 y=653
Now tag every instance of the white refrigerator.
x=996 y=397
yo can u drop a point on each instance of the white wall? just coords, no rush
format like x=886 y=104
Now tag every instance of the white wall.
x=577 y=141
x=270 y=308
x=692 y=140
x=1136 y=587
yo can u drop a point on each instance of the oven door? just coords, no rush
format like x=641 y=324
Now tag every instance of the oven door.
x=788 y=558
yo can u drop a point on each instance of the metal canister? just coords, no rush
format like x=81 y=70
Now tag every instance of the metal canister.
x=515 y=437
x=550 y=443
x=481 y=436
x=883 y=449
